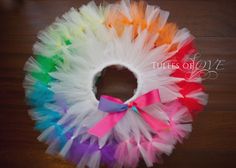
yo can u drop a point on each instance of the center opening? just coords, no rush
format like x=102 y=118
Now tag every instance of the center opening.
x=117 y=81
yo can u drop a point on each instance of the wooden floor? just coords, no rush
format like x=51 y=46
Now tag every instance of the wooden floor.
x=213 y=140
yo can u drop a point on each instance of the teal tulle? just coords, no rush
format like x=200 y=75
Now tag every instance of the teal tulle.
x=46 y=118
x=40 y=95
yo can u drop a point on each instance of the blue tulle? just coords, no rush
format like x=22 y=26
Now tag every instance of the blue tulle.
x=40 y=95
x=46 y=118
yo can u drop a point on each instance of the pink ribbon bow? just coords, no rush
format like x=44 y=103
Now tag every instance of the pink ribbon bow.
x=116 y=110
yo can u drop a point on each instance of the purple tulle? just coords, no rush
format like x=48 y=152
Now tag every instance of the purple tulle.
x=78 y=150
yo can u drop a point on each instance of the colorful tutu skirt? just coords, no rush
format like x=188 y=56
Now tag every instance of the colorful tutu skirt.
x=68 y=58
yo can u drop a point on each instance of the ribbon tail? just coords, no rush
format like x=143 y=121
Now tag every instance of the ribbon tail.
x=154 y=123
x=106 y=124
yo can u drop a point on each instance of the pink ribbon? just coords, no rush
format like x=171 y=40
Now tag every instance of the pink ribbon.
x=117 y=110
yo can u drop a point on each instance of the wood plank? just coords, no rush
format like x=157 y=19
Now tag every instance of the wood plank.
x=212 y=142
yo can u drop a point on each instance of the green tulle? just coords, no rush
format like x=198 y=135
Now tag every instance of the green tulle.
x=47 y=65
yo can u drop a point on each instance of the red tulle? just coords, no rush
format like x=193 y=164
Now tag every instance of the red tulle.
x=192 y=104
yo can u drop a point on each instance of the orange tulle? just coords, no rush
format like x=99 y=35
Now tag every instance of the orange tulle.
x=118 y=20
